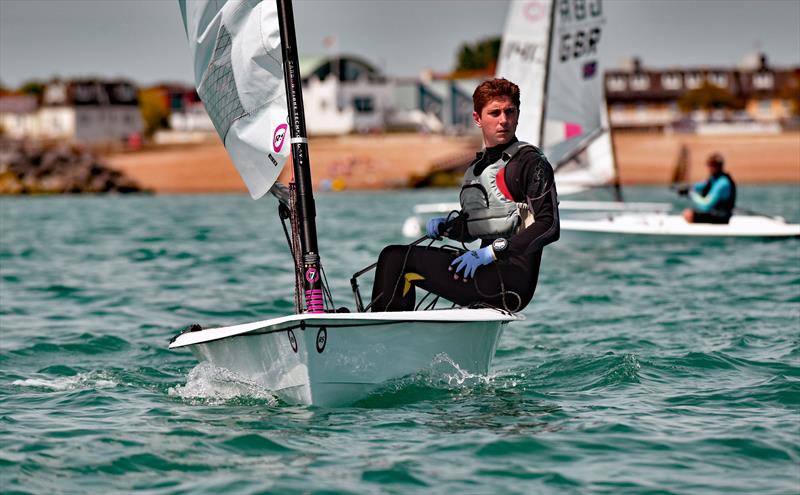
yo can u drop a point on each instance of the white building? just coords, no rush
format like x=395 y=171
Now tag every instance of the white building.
x=90 y=111
x=347 y=94
x=19 y=117
x=434 y=105
x=343 y=95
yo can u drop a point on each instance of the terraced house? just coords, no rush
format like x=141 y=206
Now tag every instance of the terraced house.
x=754 y=97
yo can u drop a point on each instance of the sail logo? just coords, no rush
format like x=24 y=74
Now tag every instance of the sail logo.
x=524 y=51
x=534 y=11
x=322 y=339
x=589 y=69
x=278 y=137
x=312 y=275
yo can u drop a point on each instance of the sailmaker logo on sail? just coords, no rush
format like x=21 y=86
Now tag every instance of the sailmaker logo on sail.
x=278 y=137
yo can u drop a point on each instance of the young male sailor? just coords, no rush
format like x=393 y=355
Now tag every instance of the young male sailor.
x=508 y=201
x=713 y=200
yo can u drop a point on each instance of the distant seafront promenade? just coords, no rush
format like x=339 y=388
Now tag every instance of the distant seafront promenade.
x=360 y=162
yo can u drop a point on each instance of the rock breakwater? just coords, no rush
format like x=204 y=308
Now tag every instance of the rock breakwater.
x=36 y=168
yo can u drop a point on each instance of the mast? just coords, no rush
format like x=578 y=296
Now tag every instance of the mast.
x=306 y=212
x=617 y=184
x=547 y=73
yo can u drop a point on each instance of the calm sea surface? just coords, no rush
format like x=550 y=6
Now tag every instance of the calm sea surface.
x=644 y=366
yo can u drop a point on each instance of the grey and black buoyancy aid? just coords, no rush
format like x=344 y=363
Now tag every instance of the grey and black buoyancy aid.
x=491 y=212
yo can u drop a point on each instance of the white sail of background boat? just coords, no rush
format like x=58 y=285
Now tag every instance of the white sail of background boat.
x=553 y=52
x=247 y=74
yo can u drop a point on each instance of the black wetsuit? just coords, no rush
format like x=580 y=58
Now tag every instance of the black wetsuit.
x=509 y=282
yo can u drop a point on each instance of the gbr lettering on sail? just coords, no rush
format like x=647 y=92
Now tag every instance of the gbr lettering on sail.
x=579 y=28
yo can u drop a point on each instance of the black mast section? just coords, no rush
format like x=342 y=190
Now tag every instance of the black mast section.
x=312 y=284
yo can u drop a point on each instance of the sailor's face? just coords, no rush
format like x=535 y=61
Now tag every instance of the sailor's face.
x=498 y=121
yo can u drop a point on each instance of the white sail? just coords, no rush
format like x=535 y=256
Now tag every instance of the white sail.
x=523 y=60
x=238 y=70
x=559 y=72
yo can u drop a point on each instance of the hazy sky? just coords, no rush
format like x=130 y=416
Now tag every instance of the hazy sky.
x=144 y=39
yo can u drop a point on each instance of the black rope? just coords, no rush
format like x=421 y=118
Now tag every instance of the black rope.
x=298 y=263
x=502 y=294
x=432 y=305
x=281 y=210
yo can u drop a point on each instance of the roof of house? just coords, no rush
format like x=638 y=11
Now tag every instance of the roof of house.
x=93 y=92
x=18 y=104
x=348 y=67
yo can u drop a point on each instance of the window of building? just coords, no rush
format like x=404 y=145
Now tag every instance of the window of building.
x=124 y=93
x=640 y=82
x=353 y=71
x=763 y=80
x=671 y=81
x=694 y=80
x=176 y=102
x=363 y=104
x=84 y=93
x=719 y=79
x=617 y=83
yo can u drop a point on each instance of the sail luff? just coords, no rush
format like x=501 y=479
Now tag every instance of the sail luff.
x=306 y=211
x=546 y=84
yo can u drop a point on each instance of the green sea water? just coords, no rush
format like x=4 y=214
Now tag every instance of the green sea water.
x=644 y=366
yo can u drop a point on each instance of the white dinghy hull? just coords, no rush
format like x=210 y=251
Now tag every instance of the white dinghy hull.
x=337 y=358
x=740 y=226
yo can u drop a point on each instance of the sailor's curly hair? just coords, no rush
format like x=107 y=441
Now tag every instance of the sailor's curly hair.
x=494 y=88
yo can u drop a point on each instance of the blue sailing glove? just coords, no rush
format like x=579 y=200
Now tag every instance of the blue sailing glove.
x=433 y=226
x=471 y=260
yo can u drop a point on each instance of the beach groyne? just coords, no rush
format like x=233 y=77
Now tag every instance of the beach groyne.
x=37 y=168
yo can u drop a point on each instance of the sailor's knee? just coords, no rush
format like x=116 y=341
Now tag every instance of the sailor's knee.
x=391 y=252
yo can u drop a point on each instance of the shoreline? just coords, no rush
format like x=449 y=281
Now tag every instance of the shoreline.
x=375 y=162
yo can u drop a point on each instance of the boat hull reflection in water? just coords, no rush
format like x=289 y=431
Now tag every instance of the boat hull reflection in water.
x=339 y=358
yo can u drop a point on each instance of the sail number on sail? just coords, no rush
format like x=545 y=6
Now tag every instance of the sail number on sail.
x=579 y=28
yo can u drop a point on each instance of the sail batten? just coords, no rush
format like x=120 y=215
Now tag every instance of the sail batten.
x=238 y=69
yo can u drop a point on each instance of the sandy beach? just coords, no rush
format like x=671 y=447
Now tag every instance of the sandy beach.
x=388 y=161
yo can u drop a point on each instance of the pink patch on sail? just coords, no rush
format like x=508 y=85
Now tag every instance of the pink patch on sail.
x=571 y=130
